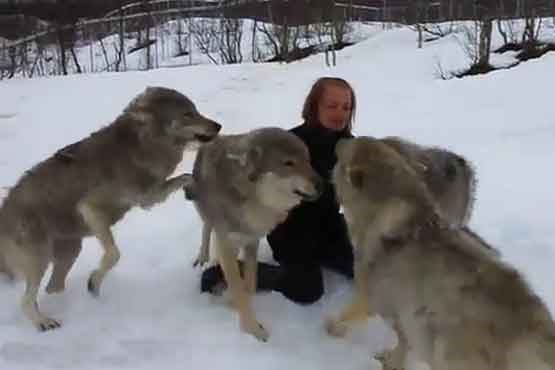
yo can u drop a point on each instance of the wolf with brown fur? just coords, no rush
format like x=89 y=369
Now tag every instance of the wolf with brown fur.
x=87 y=187
x=452 y=301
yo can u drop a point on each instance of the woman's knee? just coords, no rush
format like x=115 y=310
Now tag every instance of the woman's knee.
x=302 y=285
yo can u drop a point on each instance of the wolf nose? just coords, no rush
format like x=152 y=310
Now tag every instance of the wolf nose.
x=217 y=126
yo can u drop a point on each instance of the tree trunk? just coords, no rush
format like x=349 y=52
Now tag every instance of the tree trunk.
x=91 y=55
x=122 y=51
x=285 y=40
x=502 y=32
x=61 y=44
x=253 y=46
x=13 y=65
x=485 y=42
x=179 y=35
x=104 y=52
x=148 y=62
x=75 y=61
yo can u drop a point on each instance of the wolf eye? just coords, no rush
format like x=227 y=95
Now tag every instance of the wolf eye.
x=289 y=163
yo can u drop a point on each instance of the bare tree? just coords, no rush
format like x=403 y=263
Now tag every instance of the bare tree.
x=484 y=46
x=283 y=39
x=66 y=34
x=339 y=28
x=179 y=37
x=12 y=55
x=254 y=44
x=284 y=35
x=506 y=28
x=121 y=52
x=418 y=14
x=62 y=51
x=147 y=24
x=219 y=36
x=104 y=53
x=532 y=26
x=469 y=41
x=476 y=40
x=269 y=39
x=439 y=30
x=202 y=32
x=75 y=60
x=230 y=35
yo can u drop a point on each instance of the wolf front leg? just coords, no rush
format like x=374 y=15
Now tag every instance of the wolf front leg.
x=203 y=255
x=101 y=229
x=160 y=192
x=33 y=265
x=251 y=267
x=4 y=270
x=395 y=358
x=358 y=309
x=65 y=252
x=239 y=294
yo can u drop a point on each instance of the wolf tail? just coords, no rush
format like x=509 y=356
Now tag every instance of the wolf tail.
x=467 y=179
x=453 y=181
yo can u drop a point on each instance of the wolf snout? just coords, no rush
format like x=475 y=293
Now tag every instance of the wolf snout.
x=210 y=130
x=216 y=127
x=313 y=191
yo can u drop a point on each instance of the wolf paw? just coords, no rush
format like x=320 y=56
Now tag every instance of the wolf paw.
x=386 y=359
x=257 y=330
x=183 y=181
x=202 y=259
x=93 y=285
x=199 y=262
x=336 y=328
x=189 y=191
x=55 y=287
x=46 y=324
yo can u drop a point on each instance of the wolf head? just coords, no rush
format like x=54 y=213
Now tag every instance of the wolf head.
x=279 y=163
x=172 y=115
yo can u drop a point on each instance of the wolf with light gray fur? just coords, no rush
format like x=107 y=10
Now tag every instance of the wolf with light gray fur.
x=244 y=186
x=452 y=301
x=85 y=188
x=449 y=177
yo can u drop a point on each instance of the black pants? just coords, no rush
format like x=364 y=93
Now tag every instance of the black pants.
x=302 y=250
x=301 y=259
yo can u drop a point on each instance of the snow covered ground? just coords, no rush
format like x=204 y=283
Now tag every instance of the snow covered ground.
x=150 y=313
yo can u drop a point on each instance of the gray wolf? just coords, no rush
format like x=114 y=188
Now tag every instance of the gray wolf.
x=449 y=177
x=244 y=185
x=452 y=301
x=85 y=188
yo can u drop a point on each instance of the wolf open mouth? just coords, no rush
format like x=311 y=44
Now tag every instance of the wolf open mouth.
x=304 y=195
x=204 y=138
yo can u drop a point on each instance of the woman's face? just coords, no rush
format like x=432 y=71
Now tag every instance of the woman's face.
x=334 y=107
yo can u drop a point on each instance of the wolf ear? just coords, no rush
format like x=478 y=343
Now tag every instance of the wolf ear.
x=253 y=163
x=356 y=177
x=250 y=159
